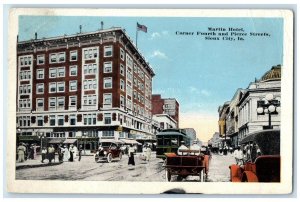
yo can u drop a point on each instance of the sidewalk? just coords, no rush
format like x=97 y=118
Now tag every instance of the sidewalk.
x=34 y=163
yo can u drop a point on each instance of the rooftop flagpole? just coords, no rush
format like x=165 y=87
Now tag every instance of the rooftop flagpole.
x=139 y=27
x=136 y=36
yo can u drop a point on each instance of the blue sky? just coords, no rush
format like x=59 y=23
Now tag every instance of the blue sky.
x=200 y=74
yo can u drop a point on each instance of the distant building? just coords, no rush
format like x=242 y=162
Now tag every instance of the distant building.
x=215 y=141
x=168 y=106
x=164 y=121
x=232 y=117
x=191 y=133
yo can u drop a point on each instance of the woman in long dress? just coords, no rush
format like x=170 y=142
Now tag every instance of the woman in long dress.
x=66 y=153
x=131 y=155
x=71 y=151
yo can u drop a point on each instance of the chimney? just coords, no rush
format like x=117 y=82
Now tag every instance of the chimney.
x=35 y=34
x=17 y=38
x=80 y=27
x=102 y=24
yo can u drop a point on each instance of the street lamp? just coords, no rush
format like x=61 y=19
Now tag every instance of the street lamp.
x=270 y=105
x=84 y=135
x=41 y=136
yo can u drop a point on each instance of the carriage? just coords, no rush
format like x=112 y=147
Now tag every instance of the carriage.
x=190 y=163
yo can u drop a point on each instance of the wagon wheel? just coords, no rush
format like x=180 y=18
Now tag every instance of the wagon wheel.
x=168 y=175
x=201 y=175
x=109 y=157
x=120 y=156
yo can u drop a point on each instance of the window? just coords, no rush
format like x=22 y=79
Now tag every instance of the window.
x=73 y=70
x=107 y=100
x=122 y=100
x=40 y=74
x=61 y=102
x=134 y=68
x=25 y=60
x=40 y=121
x=122 y=54
x=61 y=57
x=90 y=69
x=107 y=67
x=89 y=84
x=90 y=100
x=122 y=84
x=60 y=120
x=72 y=100
x=40 y=102
x=108 y=51
x=122 y=71
x=40 y=59
x=53 y=58
x=107 y=118
x=90 y=53
x=60 y=86
x=52 y=120
x=73 y=120
x=57 y=57
x=39 y=88
x=61 y=72
x=73 y=55
x=107 y=82
x=108 y=133
x=73 y=85
x=89 y=119
x=52 y=73
x=52 y=103
x=52 y=88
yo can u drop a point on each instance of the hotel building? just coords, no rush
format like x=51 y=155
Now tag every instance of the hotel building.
x=83 y=88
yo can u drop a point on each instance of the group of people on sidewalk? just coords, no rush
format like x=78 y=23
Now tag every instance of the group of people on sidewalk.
x=65 y=153
x=146 y=154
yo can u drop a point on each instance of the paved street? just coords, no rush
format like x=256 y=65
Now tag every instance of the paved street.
x=88 y=169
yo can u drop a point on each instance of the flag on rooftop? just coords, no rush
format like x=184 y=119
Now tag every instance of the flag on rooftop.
x=141 y=27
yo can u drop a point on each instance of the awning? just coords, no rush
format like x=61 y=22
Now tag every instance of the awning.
x=70 y=141
x=56 y=141
x=111 y=140
x=127 y=141
x=28 y=137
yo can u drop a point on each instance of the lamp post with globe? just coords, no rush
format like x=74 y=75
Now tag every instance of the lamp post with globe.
x=269 y=105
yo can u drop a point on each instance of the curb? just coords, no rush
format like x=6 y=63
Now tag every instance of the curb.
x=37 y=165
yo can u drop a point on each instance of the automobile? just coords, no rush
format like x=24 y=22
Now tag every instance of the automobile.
x=108 y=151
x=261 y=159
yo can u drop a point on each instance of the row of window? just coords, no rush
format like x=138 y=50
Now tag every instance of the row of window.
x=61 y=120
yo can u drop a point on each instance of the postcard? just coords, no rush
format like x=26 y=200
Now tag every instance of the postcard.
x=150 y=101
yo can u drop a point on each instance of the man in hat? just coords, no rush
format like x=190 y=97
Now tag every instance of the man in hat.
x=182 y=147
x=195 y=146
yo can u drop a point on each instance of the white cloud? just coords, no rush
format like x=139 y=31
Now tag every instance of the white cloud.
x=158 y=54
x=155 y=35
x=205 y=93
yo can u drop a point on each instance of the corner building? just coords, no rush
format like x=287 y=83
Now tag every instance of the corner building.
x=83 y=88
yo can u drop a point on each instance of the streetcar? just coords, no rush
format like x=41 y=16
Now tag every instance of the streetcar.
x=169 y=140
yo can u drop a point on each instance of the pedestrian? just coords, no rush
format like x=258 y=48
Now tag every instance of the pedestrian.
x=238 y=155
x=31 y=152
x=131 y=155
x=66 y=153
x=60 y=153
x=21 y=152
x=51 y=153
x=44 y=153
x=34 y=150
x=79 y=152
x=195 y=147
x=182 y=147
x=148 y=152
x=225 y=150
x=71 y=151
